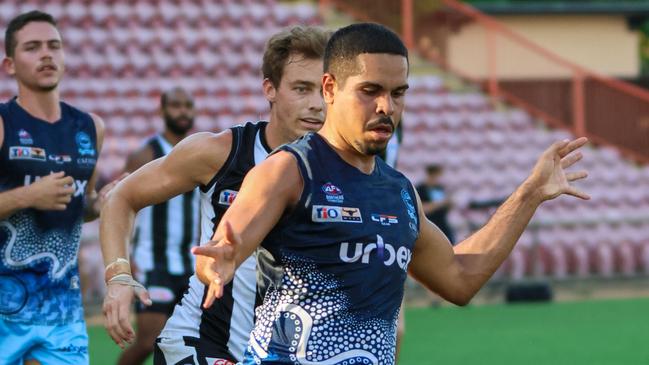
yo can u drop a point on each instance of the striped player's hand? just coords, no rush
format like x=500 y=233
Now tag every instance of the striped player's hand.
x=215 y=263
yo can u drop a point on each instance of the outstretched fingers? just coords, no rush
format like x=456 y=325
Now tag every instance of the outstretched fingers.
x=214 y=291
x=573 y=176
x=567 y=148
x=571 y=190
x=571 y=159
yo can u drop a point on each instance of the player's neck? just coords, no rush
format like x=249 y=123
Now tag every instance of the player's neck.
x=172 y=138
x=273 y=134
x=344 y=149
x=41 y=105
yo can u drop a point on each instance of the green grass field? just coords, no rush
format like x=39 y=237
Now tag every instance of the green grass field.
x=606 y=332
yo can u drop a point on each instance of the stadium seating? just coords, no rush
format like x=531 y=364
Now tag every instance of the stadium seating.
x=120 y=55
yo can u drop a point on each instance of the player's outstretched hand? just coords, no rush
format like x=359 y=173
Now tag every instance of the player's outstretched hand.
x=550 y=178
x=52 y=192
x=117 y=307
x=215 y=263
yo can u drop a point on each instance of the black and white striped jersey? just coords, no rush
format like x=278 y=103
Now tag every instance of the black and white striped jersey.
x=225 y=327
x=165 y=232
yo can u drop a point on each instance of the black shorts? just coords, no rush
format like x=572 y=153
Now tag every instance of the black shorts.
x=165 y=291
x=189 y=351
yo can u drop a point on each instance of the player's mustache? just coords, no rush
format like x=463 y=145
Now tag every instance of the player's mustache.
x=385 y=120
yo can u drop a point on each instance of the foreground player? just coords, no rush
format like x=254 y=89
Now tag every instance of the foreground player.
x=336 y=272
x=163 y=233
x=292 y=69
x=47 y=177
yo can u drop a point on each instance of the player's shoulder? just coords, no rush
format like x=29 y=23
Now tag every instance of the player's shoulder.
x=78 y=112
x=392 y=173
x=208 y=148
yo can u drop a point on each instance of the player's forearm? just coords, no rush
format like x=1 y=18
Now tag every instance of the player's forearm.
x=14 y=200
x=115 y=229
x=482 y=253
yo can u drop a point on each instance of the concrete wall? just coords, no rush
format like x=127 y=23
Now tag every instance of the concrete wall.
x=598 y=42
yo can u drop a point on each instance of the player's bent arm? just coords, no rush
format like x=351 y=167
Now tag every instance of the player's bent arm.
x=192 y=162
x=268 y=191
x=457 y=273
x=91 y=208
x=14 y=200
x=52 y=192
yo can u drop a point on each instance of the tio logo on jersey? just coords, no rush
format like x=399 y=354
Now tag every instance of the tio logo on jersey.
x=227 y=197
x=328 y=213
x=383 y=251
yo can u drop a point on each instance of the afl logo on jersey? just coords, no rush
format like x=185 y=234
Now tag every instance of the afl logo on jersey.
x=227 y=197
x=333 y=194
x=84 y=143
x=24 y=137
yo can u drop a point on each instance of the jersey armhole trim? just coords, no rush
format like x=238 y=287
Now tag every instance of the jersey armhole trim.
x=307 y=179
x=229 y=162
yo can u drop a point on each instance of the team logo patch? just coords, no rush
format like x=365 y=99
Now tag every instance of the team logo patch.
x=327 y=213
x=160 y=294
x=27 y=153
x=24 y=137
x=333 y=194
x=385 y=219
x=60 y=159
x=410 y=207
x=227 y=197
x=84 y=143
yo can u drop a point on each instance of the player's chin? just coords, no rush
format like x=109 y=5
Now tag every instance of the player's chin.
x=48 y=85
x=372 y=148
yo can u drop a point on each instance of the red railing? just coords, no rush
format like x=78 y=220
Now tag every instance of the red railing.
x=607 y=110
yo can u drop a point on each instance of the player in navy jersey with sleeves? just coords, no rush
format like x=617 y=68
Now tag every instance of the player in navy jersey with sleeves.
x=48 y=152
x=337 y=230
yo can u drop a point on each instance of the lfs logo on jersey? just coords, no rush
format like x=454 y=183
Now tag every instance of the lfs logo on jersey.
x=384 y=219
x=327 y=213
x=333 y=194
x=227 y=197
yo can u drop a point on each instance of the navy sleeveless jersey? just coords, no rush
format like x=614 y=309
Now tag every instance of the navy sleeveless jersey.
x=334 y=267
x=39 y=281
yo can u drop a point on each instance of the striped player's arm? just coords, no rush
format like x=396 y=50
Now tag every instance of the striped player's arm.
x=192 y=162
x=457 y=273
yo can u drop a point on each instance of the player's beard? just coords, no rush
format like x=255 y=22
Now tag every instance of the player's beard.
x=376 y=148
x=177 y=128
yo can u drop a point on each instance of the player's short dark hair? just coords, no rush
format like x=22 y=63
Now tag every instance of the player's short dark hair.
x=340 y=58
x=434 y=169
x=305 y=40
x=18 y=23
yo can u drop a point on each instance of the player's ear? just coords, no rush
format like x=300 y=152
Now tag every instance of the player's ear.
x=328 y=87
x=270 y=92
x=8 y=66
